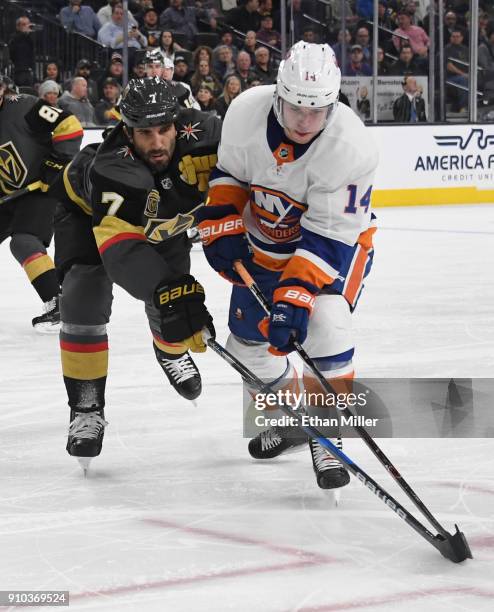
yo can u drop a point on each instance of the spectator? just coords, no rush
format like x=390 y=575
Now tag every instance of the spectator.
x=21 y=49
x=79 y=19
x=457 y=72
x=83 y=69
x=205 y=97
x=244 y=69
x=383 y=67
x=417 y=38
x=338 y=47
x=486 y=61
x=450 y=23
x=204 y=70
x=115 y=70
x=266 y=34
x=138 y=69
x=250 y=41
x=224 y=64
x=405 y=64
x=411 y=8
x=351 y=17
x=52 y=73
x=183 y=19
x=143 y=6
x=357 y=66
x=410 y=106
x=310 y=34
x=168 y=45
x=151 y=28
x=362 y=38
x=484 y=27
x=265 y=7
x=111 y=34
x=226 y=38
x=182 y=68
x=203 y=52
x=49 y=92
x=231 y=90
x=105 y=111
x=75 y=102
x=105 y=13
x=387 y=21
x=262 y=68
x=245 y=17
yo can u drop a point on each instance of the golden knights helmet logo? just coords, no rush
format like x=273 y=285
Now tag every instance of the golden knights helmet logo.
x=13 y=172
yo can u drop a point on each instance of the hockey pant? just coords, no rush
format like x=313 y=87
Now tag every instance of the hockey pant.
x=29 y=222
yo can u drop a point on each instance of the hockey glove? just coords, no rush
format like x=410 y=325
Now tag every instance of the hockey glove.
x=183 y=312
x=289 y=318
x=223 y=237
x=196 y=170
x=49 y=172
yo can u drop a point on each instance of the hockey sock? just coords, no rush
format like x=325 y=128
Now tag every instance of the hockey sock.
x=84 y=352
x=38 y=265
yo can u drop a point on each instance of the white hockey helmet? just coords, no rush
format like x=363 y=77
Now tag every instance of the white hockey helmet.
x=308 y=77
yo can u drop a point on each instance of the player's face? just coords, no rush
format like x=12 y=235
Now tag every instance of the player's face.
x=154 y=69
x=302 y=124
x=155 y=145
x=51 y=97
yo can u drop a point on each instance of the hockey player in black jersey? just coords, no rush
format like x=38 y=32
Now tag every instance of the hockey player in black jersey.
x=36 y=141
x=124 y=219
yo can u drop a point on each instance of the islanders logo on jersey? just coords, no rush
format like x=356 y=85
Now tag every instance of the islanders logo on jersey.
x=13 y=172
x=277 y=216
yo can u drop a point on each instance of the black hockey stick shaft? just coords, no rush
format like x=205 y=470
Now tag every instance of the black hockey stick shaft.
x=366 y=437
x=454 y=547
x=20 y=192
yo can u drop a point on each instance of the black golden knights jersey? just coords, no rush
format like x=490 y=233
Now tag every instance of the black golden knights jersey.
x=138 y=216
x=30 y=132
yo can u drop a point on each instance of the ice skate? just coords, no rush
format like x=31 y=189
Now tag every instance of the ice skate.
x=86 y=431
x=330 y=473
x=49 y=322
x=182 y=373
x=275 y=441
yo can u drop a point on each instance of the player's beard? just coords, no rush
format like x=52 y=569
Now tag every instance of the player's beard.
x=158 y=165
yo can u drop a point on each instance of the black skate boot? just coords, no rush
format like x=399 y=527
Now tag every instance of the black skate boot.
x=182 y=374
x=330 y=473
x=49 y=322
x=86 y=431
x=275 y=441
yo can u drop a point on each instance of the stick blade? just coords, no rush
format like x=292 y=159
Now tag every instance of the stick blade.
x=454 y=547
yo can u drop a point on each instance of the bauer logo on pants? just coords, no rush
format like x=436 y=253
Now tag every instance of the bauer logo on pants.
x=13 y=172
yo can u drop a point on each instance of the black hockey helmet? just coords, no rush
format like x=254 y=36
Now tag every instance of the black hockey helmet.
x=148 y=102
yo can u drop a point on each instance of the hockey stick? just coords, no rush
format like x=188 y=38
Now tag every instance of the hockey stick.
x=20 y=192
x=453 y=547
x=457 y=541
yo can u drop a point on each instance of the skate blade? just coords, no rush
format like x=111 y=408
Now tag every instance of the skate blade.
x=84 y=462
x=332 y=496
x=47 y=328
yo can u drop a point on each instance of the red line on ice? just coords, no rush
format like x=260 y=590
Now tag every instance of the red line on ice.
x=396 y=598
x=237 y=539
x=302 y=558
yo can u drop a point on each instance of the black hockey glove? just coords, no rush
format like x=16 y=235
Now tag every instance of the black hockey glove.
x=50 y=170
x=183 y=312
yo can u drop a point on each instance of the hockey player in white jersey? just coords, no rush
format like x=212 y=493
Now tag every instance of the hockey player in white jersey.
x=294 y=174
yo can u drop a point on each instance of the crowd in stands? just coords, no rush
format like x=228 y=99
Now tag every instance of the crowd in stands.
x=219 y=54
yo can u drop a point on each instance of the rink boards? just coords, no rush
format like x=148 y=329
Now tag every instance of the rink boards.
x=426 y=164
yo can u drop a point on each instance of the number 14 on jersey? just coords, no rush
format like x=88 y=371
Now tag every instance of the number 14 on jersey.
x=352 y=199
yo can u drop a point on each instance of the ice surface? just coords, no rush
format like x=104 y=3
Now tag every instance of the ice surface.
x=175 y=516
